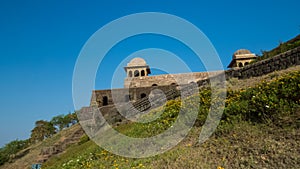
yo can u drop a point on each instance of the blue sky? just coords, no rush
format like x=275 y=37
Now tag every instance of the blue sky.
x=41 y=40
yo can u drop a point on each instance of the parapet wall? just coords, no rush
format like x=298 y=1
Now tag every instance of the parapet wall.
x=167 y=79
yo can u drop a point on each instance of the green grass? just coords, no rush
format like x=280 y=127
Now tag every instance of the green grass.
x=242 y=145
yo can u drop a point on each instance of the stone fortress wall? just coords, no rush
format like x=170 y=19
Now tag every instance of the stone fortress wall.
x=137 y=98
x=139 y=87
x=276 y=63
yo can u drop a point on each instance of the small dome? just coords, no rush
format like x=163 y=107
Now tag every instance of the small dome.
x=137 y=62
x=242 y=52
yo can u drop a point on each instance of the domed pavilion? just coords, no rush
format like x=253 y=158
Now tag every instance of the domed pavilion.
x=241 y=58
x=137 y=67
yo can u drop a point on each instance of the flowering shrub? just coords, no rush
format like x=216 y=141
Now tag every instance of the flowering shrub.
x=168 y=115
x=266 y=102
x=100 y=158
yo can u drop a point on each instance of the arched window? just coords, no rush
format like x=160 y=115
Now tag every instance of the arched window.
x=143 y=95
x=130 y=74
x=246 y=63
x=136 y=73
x=240 y=64
x=143 y=73
x=154 y=85
x=104 y=101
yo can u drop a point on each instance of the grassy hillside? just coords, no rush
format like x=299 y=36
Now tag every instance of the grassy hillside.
x=259 y=129
x=34 y=153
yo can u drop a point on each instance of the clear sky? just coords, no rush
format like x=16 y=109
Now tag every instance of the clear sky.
x=41 y=40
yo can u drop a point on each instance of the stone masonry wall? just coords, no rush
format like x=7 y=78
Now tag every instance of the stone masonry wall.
x=124 y=95
x=167 y=82
x=167 y=79
x=276 y=63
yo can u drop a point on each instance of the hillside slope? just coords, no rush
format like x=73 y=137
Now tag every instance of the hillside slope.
x=237 y=143
x=241 y=140
x=42 y=151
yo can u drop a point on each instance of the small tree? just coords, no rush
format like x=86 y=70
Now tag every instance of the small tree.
x=64 y=121
x=43 y=129
x=58 y=122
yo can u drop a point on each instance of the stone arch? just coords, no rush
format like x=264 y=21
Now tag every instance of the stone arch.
x=154 y=84
x=143 y=73
x=240 y=64
x=136 y=73
x=143 y=95
x=130 y=73
x=104 y=100
x=246 y=63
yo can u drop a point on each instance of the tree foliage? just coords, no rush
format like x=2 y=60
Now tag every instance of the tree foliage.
x=64 y=121
x=12 y=148
x=58 y=122
x=42 y=130
x=45 y=129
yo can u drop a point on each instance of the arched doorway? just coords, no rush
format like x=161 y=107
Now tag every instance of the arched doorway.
x=104 y=100
x=143 y=95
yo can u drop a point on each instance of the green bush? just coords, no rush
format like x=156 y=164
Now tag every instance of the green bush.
x=266 y=102
x=85 y=138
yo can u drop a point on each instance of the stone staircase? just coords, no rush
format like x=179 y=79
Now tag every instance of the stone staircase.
x=131 y=110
